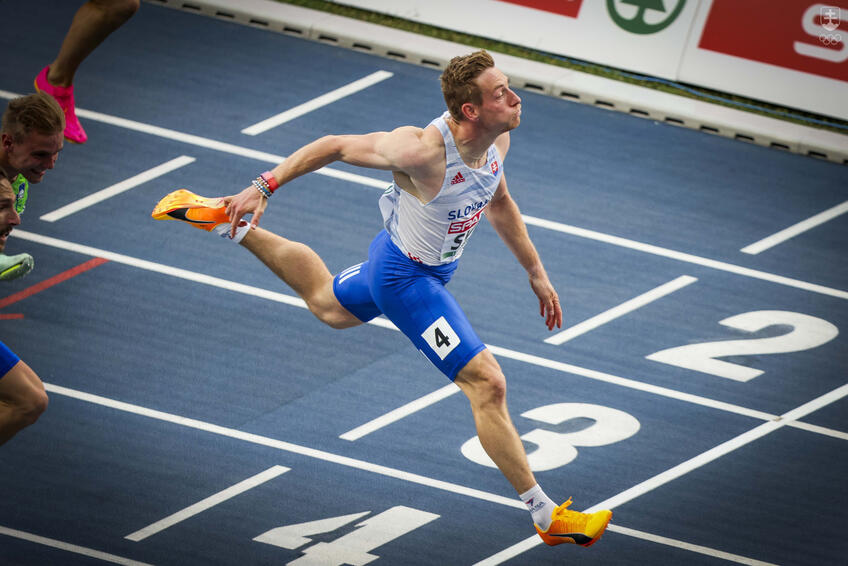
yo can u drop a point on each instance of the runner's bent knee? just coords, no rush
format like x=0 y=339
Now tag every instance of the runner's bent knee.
x=482 y=380
x=32 y=407
x=22 y=394
x=327 y=308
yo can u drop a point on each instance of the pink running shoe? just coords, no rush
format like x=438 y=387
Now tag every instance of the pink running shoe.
x=64 y=95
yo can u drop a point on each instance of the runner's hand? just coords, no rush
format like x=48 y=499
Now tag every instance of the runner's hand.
x=549 y=306
x=249 y=201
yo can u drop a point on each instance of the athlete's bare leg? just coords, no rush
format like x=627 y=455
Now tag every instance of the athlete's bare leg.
x=484 y=384
x=92 y=23
x=302 y=270
x=22 y=400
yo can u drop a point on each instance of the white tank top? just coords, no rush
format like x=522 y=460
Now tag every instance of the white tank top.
x=436 y=233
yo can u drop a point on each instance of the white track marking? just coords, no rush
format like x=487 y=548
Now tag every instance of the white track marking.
x=207 y=503
x=680 y=256
x=178 y=273
x=641 y=535
x=401 y=412
x=629 y=383
x=820 y=430
x=380 y=184
x=284 y=446
x=620 y=310
x=316 y=103
x=514 y=550
x=212 y=144
x=384 y=323
x=117 y=188
x=53 y=543
x=795 y=229
x=531 y=542
x=682 y=469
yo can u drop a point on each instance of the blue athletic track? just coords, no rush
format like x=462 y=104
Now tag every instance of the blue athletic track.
x=199 y=415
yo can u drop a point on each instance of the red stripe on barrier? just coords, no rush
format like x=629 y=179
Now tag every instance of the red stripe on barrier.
x=55 y=280
x=570 y=8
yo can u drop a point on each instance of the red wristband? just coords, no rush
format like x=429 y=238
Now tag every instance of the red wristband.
x=272 y=182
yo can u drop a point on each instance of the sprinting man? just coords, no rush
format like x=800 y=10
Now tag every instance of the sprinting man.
x=446 y=176
x=92 y=23
x=22 y=395
x=30 y=142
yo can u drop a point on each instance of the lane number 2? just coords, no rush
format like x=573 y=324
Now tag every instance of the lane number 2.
x=806 y=332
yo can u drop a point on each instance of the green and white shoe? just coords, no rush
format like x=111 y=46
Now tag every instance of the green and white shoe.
x=14 y=266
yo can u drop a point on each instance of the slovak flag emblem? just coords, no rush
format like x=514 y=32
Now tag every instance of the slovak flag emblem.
x=495 y=167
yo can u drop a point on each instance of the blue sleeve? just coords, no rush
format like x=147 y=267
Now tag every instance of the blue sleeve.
x=8 y=359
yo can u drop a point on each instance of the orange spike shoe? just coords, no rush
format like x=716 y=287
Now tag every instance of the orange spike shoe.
x=200 y=212
x=574 y=527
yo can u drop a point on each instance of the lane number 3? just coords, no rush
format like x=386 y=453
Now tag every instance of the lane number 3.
x=555 y=449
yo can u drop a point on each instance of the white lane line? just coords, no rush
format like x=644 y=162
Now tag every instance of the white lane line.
x=285 y=446
x=722 y=449
x=401 y=412
x=178 y=273
x=620 y=310
x=444 y=392
x=529 y=543
x=316 y=103
x=515 y=550
x=511 y=552
x=384 y=323
x=212 y=144
x=207 y=503
x=118 y=188
x=795 y=229
x=53 y=543
x=381 y=184
x=629 y=383
x=820 y=430
x=681 y=470
x=680 y=256
x=642 y=535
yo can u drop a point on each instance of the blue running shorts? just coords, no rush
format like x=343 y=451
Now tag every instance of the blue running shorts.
x=8 y=359
x=413 y=296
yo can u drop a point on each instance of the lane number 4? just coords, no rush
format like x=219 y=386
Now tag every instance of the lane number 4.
x=355 y=547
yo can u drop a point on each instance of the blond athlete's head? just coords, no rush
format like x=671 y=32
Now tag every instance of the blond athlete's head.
x=459 y=81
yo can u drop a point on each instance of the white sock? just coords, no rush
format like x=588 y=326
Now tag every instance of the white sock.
x=223 y=230
x=540 y=506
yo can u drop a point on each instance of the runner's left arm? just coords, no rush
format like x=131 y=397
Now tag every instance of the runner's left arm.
x=505 y=217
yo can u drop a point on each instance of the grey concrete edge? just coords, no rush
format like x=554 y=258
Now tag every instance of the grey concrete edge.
x=529 y=75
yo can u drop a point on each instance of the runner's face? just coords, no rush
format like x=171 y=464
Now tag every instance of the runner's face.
x=8 y=217
x=501 y=107
x=34 y=155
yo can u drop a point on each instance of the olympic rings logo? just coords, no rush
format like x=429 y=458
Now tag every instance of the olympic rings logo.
x=830 y=38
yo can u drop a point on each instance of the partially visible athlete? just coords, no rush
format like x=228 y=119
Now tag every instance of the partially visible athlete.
x=92 y=23
x=22 y=395
x=446 y=176
x=30 y=142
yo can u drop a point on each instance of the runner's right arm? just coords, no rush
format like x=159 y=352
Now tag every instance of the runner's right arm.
x=398 y=150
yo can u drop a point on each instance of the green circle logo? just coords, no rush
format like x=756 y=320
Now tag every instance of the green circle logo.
x=638 y=24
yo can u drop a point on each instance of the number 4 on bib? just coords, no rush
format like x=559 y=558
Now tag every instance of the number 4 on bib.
x=441 y=337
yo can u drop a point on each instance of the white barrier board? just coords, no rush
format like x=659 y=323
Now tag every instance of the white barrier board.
x=789 y=52
x=617 y=33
